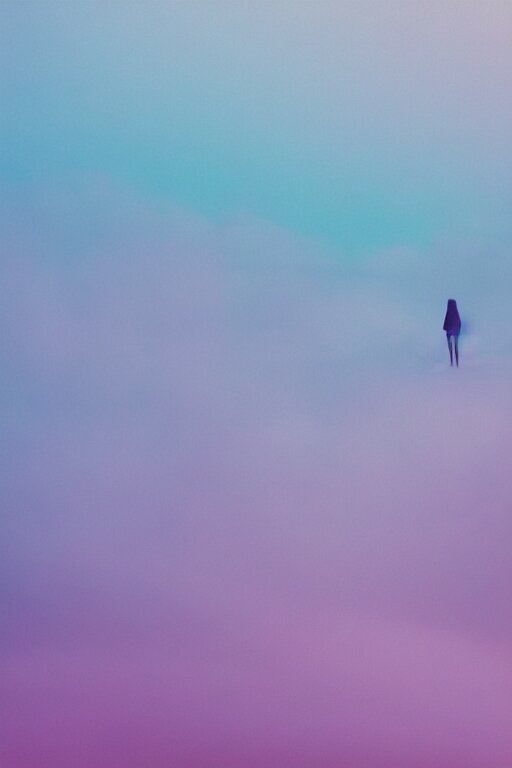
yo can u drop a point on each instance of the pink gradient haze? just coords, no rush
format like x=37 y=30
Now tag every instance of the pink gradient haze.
x=251 y=516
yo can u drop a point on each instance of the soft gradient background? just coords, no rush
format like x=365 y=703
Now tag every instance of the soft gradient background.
x=250 y=516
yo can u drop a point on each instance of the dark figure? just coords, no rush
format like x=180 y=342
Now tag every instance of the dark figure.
x=452 y=327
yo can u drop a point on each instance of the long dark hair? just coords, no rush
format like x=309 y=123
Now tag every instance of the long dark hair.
x=452 y=318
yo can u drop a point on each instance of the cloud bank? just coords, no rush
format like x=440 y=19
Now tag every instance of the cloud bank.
x=251 y=516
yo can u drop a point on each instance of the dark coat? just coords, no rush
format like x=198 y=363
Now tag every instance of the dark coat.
x=452 y=318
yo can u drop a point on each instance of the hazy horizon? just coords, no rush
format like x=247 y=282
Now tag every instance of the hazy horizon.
x=251 y=516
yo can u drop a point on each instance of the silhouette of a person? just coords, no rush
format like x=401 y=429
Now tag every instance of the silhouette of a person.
x=452 y=327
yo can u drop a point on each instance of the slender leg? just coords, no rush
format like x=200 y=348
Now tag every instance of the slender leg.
x=456 y=340
x=449 y=339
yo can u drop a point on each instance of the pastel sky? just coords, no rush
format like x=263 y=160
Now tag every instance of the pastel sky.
x=250 y=516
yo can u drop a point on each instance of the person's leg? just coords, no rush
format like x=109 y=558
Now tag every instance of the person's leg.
x=456 y=342
x=449 y=340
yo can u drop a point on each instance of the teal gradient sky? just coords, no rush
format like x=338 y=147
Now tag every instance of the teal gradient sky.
x=366 y=124
x=250 y=516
